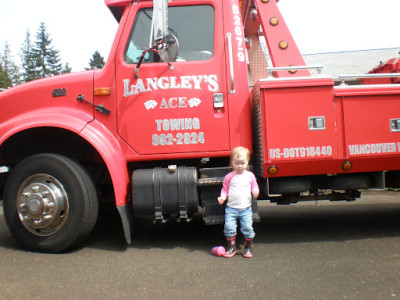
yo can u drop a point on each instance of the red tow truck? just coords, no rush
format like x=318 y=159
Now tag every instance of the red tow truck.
x=186 y=82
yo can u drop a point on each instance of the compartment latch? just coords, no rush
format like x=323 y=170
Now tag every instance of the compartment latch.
x=395 y=125
x=316 y=123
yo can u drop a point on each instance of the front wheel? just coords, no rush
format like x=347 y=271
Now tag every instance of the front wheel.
x=50 y=203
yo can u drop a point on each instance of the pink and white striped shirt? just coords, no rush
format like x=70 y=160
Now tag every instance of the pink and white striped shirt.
x=239 y=188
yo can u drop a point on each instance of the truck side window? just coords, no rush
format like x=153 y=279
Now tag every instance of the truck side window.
x=192 y=25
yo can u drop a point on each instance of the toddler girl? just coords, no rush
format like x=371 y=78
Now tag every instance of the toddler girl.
x=238 y=187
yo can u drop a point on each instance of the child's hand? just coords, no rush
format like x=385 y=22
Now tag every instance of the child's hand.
x=256 y=194
x=221 y=200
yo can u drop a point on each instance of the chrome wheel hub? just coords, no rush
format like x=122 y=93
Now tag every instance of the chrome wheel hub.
x=42 y=204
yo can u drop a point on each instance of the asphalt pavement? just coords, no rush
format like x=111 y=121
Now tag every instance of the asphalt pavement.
x=325 y=250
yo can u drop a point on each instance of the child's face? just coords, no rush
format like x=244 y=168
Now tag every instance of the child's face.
x=240 y=164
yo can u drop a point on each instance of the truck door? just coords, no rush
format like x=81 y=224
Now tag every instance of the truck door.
x=184 y=109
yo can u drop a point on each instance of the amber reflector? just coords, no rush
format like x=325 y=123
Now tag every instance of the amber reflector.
x=103 y=91
x=293 y=71
x=347 y=166
x=272 y=170
x=283 y=45
x=274 y=21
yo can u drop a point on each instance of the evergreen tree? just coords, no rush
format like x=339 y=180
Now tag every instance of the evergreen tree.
x=5 y=81
x=66 y=69
x=97 y=61
x=47 y=59
x=28 y=62
x=10 y=69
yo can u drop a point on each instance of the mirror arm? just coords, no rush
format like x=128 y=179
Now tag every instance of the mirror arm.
x=142 y=58
x=154 y=49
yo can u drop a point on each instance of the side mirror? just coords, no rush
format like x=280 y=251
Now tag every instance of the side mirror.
x=161 y=41
x=168 y=49
x=164 y=43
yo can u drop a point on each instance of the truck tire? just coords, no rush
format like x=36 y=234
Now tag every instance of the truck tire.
x=291 y=185
x=348 y=182
x=50 y=203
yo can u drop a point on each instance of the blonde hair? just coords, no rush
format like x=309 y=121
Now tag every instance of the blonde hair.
x=240 y=152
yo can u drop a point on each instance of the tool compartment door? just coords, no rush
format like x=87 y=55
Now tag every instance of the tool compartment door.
x=299 y=125
x=166 y=111
x=371 y=126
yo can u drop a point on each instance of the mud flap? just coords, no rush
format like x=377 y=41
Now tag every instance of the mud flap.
x=125 y=214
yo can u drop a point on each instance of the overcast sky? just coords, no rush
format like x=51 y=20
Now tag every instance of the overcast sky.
x=80 y=27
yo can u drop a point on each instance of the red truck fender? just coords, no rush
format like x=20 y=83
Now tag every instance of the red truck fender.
x=110 y=150
x=68 y=119
x=94 y=133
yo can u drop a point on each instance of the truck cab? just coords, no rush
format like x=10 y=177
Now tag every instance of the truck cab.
x=187 y=81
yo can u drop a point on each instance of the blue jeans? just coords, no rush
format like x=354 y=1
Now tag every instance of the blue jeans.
x=245 y=217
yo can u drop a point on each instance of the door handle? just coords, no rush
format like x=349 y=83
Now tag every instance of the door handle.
x=229 y=36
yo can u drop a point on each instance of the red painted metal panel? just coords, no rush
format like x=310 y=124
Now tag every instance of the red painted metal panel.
x=368 y=139
x=177 y=114
x=369 y=134
x=36 y=99
x=293 y=144
x=238 y=101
